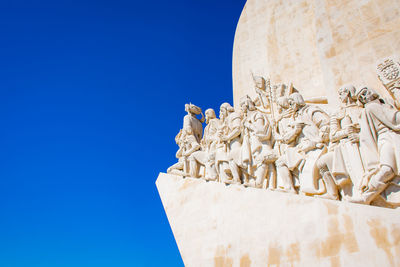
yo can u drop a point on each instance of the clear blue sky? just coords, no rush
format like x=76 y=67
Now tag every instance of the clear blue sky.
x=92 y=96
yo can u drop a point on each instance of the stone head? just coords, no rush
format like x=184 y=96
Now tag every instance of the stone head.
x=366 y=95
x=259 y=82
x=210 y=114
x=296 y=101
x=347 y=92
x=282 y=102
x=246 y=104
x=192 y=109
x=224 y=110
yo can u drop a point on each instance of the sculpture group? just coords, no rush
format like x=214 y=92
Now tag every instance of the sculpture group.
x=279 y=141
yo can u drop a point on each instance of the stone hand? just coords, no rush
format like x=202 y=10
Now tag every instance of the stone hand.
x=349 y=130
x=354 y=138
x=364 y=185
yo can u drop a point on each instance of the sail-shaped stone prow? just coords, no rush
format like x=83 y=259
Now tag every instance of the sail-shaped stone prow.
x=219 y=225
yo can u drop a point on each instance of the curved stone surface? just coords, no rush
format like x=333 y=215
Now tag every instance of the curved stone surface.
x=218 y=225
x=318 y=45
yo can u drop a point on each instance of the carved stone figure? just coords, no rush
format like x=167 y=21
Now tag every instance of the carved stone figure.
x=230 y=151
x=206 y=157
x=247 y=109
x=188 y=139
x=210 y=137
x=178 y=167
x=379 y=144
x=263 y=99
x=191 y=124
x=281 y=131
x=257 y=152
x=284 y=111
x=342 y=166
x=305 y=140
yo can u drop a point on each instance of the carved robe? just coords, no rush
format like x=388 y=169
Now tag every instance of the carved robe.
x=206 y=157
x=192 y=125
x=210 y=136
x=260 y=140
x=234 y=146
x=312 y=118
x=256 y=146
x=231 y=150
x=379 y=137
x=346 y=158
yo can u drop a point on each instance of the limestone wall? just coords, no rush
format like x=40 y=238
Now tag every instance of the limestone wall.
x=218 y=225
x=318 y=45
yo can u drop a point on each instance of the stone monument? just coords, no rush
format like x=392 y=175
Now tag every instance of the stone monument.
x=304 y=170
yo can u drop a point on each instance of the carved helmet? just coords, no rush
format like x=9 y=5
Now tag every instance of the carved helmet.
x=193 y=109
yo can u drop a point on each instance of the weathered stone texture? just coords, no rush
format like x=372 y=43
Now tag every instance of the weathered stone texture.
x=318 y=45
x=218 y=225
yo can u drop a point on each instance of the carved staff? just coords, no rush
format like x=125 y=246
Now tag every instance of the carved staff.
x=258 y=91
x=290 y=89
x=274 y=122
x=271 y=106
x=221 y=132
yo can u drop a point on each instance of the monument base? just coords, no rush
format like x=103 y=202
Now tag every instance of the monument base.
x=219 y=225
